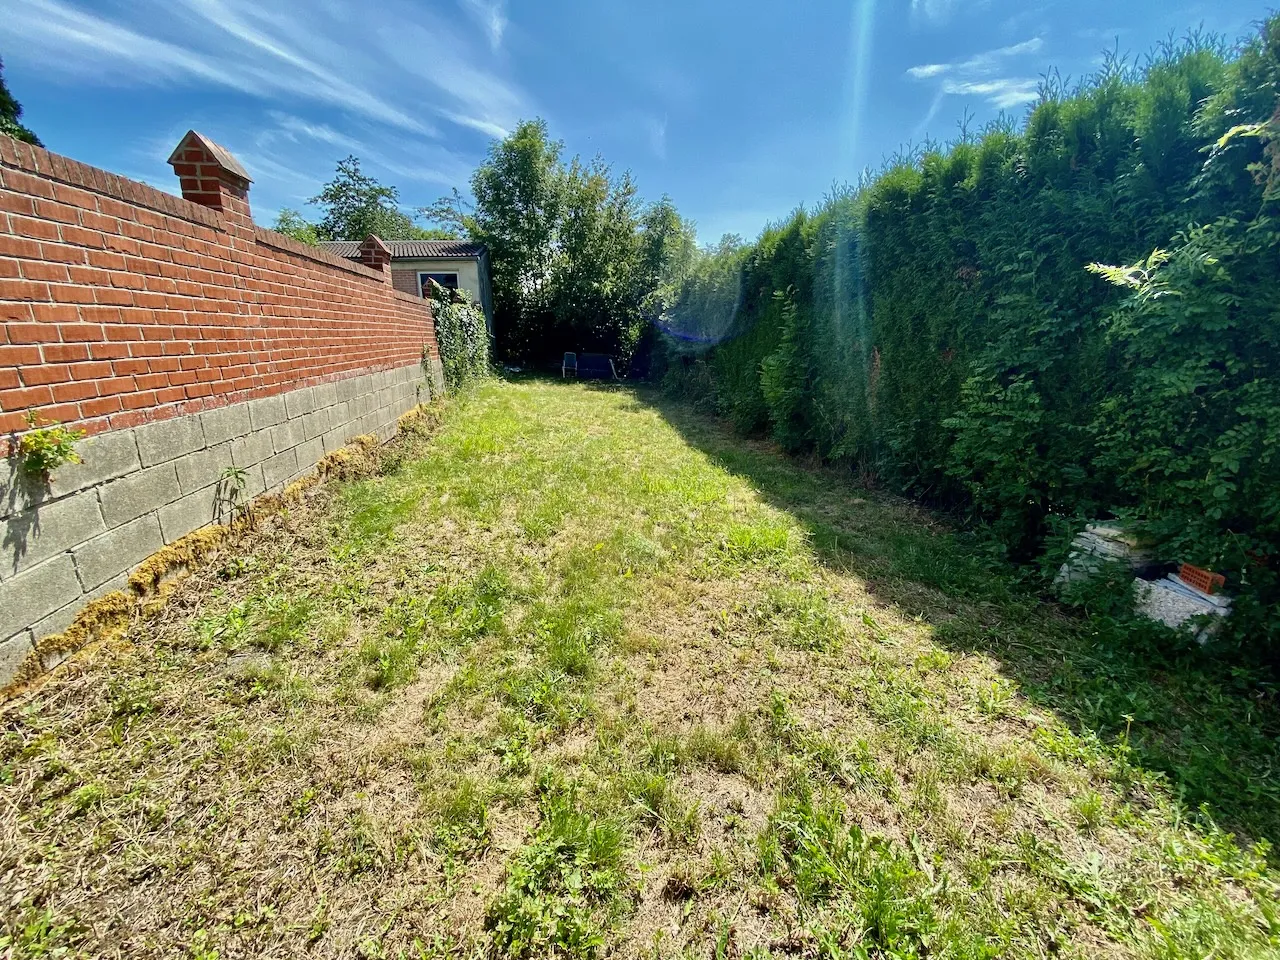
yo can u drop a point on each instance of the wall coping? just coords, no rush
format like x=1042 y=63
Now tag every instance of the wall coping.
x=52 y=166
x=278 y=241
x=410 y=298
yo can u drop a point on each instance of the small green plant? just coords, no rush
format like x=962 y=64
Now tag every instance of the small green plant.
x=40 y=933
x=43 y=449
x=231 y=494
x=1090 y=810
x=462 y=821
x=87 y=797
x=715 y=749
x=564 y=889
x=657 y=803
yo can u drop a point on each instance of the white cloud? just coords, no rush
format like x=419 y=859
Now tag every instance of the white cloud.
x=420 y=161
x=979 y=76
x=938 y=12
x=982 y=63
x=924 y=71
x=467 y=94
x=1005 y=93
x=657 y=133
x=295 y=127
x=922 y=128
x=407 y=90
x=284 y=52
x=491 y=15
x=66 y=39
x=932 y=9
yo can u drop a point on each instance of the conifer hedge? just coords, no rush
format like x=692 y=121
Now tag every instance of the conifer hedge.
x=1077 y=319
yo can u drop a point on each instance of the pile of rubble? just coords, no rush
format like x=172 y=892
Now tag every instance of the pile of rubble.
x=1174 y=602
x=1100 y=545
x=1186 y=598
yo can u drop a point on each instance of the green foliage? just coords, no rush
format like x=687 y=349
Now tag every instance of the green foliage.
x=462 y=829
x=564 y=888
x=11 y=115
x=461 y=336
x=856 y=889
x=784 y=375
x=292 y=224
x=578 y=262
x=356 y=205
x=939 y=329
x=42 y=450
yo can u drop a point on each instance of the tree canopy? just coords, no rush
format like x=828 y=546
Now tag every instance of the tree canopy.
x=293 y=224
x=11 y=115
x=355 y=205
x=578 y=261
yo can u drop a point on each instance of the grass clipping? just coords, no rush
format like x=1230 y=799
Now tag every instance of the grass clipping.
x=106 y=620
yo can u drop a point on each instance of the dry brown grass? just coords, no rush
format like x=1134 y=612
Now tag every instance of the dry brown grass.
x=557 y=636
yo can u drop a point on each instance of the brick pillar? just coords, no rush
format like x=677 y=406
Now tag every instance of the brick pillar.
x=212 y=177
x=376 y=254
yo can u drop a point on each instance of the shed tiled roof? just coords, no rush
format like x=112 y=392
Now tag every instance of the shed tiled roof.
x=410 y=249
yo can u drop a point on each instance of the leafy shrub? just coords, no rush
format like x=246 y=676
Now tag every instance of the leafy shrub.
x=461 y=335
x=938 y=328
x=42 y=450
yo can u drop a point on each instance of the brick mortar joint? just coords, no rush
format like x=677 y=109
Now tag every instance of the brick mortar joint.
x=193 y=212
x=278 y=241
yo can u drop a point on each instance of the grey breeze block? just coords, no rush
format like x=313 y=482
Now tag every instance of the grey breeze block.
x=79 y=536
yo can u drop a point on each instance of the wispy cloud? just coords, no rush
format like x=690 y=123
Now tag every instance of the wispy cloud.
x=469 y=94
x=407 y=91
x=982 y=63
x=295 y=127
x=932 y=9
x=424 y=162
x=980 y=76
x=287 y=51
x=67 y=39
x=922 y=128
x=1012 y=92
x=491 y=15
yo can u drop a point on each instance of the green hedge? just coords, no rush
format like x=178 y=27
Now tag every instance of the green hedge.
x=940 y=327
x=461 y=336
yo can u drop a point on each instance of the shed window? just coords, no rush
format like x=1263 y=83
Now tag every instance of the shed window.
x=447 y=280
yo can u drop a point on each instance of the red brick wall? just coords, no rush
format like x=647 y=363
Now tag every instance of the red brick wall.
x=406 y=281
x=120 y=303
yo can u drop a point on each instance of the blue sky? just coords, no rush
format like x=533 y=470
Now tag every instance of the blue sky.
x=739 y=110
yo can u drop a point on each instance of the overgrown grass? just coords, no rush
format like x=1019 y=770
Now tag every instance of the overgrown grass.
x=585 y=676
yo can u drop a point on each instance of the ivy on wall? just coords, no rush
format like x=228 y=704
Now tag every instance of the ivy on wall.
x=461 y=336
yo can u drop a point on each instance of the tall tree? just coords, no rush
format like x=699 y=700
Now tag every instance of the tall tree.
x=576 y=259
x=597 y=277
x=356 y=205
x=519 y=192
x=11 y=115
x=668 y=250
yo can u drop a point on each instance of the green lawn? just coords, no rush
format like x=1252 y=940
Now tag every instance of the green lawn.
x=582 y=674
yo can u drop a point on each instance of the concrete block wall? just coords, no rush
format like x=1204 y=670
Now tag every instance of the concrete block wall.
x=185 y=340
x=81 y=535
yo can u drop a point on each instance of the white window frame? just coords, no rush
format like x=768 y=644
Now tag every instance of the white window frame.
x=457 y=285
